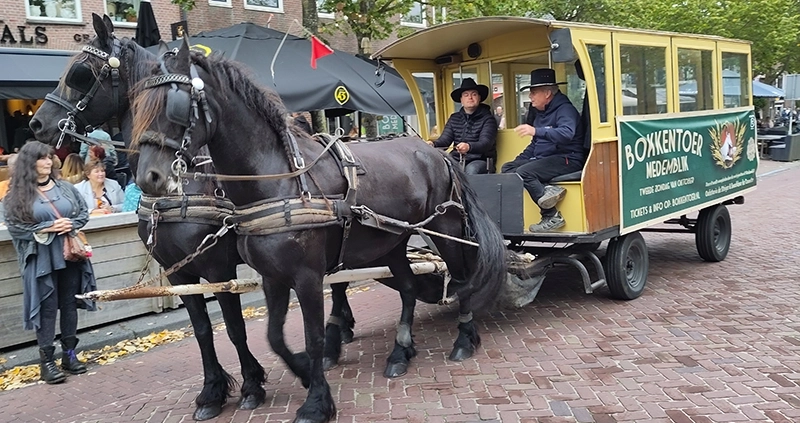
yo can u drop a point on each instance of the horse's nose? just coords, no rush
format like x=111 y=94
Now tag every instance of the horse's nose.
x=152 y=181
x=36 y=125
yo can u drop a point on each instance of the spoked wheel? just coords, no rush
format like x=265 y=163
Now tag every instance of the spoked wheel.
x=713 y=233
x=627 y=265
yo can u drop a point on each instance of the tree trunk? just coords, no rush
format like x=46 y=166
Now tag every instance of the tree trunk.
x=318 y=122
x=311 y=22
x=368 y=120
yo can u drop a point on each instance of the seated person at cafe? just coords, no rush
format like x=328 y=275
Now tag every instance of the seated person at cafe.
x=556 y=147
x=72 y=169
x=472 y=130
x=11 y=160
x=102 y=195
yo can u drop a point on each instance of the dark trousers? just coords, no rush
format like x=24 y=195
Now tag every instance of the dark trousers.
x=535 y=173
x=477 y=167
x=473 y=167
x=67 y=284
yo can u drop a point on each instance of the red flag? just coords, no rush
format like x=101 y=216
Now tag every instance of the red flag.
x=318 y=51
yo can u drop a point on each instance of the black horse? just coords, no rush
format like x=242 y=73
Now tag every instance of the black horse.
x=211 y=101
x=174 y=239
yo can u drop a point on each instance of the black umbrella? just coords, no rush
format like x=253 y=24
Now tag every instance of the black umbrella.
x=146 y=27
x=341 y=81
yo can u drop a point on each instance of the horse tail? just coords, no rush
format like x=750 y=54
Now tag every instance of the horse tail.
x=488 y=272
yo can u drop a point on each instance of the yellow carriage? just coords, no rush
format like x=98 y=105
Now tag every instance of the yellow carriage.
x=659 y=107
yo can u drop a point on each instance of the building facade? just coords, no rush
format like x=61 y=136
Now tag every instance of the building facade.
x=38 y=37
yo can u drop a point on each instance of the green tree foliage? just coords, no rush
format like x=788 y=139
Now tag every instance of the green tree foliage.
x=366 y=19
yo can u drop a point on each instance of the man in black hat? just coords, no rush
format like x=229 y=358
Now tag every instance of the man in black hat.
x=556 y=147
x=472 y=129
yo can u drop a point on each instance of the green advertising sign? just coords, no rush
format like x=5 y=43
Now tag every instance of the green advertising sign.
x=670 y=166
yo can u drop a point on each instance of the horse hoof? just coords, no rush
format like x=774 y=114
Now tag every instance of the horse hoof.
x=310 y=420
x=395 y=370
x=346 y=336
x=329 y=363
x=208 y=411
x=250 y=402
x=461 y=354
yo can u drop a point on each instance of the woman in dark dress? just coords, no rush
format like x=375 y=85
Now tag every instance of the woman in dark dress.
x=50 y=283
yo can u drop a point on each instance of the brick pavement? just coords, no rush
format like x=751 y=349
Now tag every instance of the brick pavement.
x=707 y=342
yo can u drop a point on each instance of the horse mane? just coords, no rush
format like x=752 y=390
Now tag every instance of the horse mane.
x=241 y=82
x=234 y=79
x=141 y=58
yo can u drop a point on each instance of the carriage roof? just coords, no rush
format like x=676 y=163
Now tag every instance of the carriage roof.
x=448 y=37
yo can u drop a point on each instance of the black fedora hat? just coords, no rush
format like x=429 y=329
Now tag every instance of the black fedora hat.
x=542 y=77
x=469 y=84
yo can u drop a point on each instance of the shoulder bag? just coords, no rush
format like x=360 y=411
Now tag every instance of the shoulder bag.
x=76 y=246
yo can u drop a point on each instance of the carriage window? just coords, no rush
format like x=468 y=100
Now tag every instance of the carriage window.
x=695 y=80
x=523 y=102
x=425 y=84
x=498 y=105
x=460 y=75
x=575 y=89
x=735 y=82
x=597 y=56
x=644 y=79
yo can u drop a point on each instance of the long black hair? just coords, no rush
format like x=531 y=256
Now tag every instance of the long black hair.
x=23 y=186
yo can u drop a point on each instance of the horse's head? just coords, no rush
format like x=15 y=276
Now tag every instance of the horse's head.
x=172 y=115
x=94 y=87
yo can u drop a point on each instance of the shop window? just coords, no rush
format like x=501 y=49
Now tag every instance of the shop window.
x=644 y=79
x=695 y=80
x=264 y=5
x=220 y=3
x=54 y=10
x=122 y=12
x=324 y=14
x=735 y=82
x=415 y=17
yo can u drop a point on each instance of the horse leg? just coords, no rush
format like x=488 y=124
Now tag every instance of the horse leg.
x=347 y=316
x=277 y=295
x=217 y=383
x=339 y=329
x=468 y=339
x=253 y=393
x=319 y=406
x=458 y=260
x=403 y=282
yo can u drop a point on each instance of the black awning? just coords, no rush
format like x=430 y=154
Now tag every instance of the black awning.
x=30 y=73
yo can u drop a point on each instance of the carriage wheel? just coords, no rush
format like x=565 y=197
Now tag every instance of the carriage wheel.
x=713 y=233
x=627 y=265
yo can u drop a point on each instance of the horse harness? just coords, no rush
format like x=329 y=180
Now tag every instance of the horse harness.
x=279 y=215
x=81 y=78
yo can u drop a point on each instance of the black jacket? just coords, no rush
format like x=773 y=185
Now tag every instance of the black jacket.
x=558 y=131
x=479 y=130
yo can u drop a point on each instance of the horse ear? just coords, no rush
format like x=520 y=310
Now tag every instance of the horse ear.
x=183 y=57
x=162 y=47
x=109 y=24
x=100 y=28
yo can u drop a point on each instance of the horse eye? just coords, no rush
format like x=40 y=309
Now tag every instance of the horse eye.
x=80 y=78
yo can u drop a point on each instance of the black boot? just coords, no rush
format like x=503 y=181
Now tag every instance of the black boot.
x=69 y=360
x=48 y=369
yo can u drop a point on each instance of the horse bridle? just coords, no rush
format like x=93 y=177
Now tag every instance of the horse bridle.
x=182 y=108
x=110 y=67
